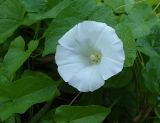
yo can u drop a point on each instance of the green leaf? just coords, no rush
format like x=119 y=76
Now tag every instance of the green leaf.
x=33 y=17
x=33 y=73
x=152 y=2
x=55 y=31
x=140 y=20
x=120 y=6
x=157 y=110
x=52 y=3
x=78 y=8
x=129 y=5
x=120 y=80
x=36 y=6
x=48 y=117
x=116 y=5
x=81 y=114
x=15 y=58
x=43 y=6
x=103 y=14
x=99 y=1
x=151 y=74
x=145 y=47
x=129 y=44
x=11 y=17
x=52 y=13
x=65 y=9
x=154 y=37
x=17 y=97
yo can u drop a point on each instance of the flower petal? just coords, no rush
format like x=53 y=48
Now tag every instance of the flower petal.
x=109 y=67
x=76 y=47
x=68 y=40
x=64 y=56
x=69 y=70
x=110 y=45
x=82 y=36
x=88 y=79
x=89 y=31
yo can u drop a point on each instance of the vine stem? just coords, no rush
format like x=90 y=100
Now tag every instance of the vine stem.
x=156 y=7
x=74 y=99
x=140 y=58
x=129 y=4
x=137 y=84
x=37 y=30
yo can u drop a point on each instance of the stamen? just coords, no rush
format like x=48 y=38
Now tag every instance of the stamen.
x=95 y=58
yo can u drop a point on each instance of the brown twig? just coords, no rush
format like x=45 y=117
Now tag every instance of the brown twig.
x=143 y=114
x=137 y=83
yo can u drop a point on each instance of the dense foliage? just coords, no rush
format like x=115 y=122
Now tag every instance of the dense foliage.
x=31 y=89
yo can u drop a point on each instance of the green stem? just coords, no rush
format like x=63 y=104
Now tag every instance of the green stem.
x=74 y=99
x=37 y=30
x=129 y=4
x=156 y=7
x=141 y=59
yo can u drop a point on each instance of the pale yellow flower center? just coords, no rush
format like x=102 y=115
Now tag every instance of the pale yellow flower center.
x=95 y=58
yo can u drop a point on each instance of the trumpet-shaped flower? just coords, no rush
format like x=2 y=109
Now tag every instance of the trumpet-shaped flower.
x=88 y=54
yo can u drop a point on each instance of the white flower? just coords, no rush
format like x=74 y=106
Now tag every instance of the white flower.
x=89 y=54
